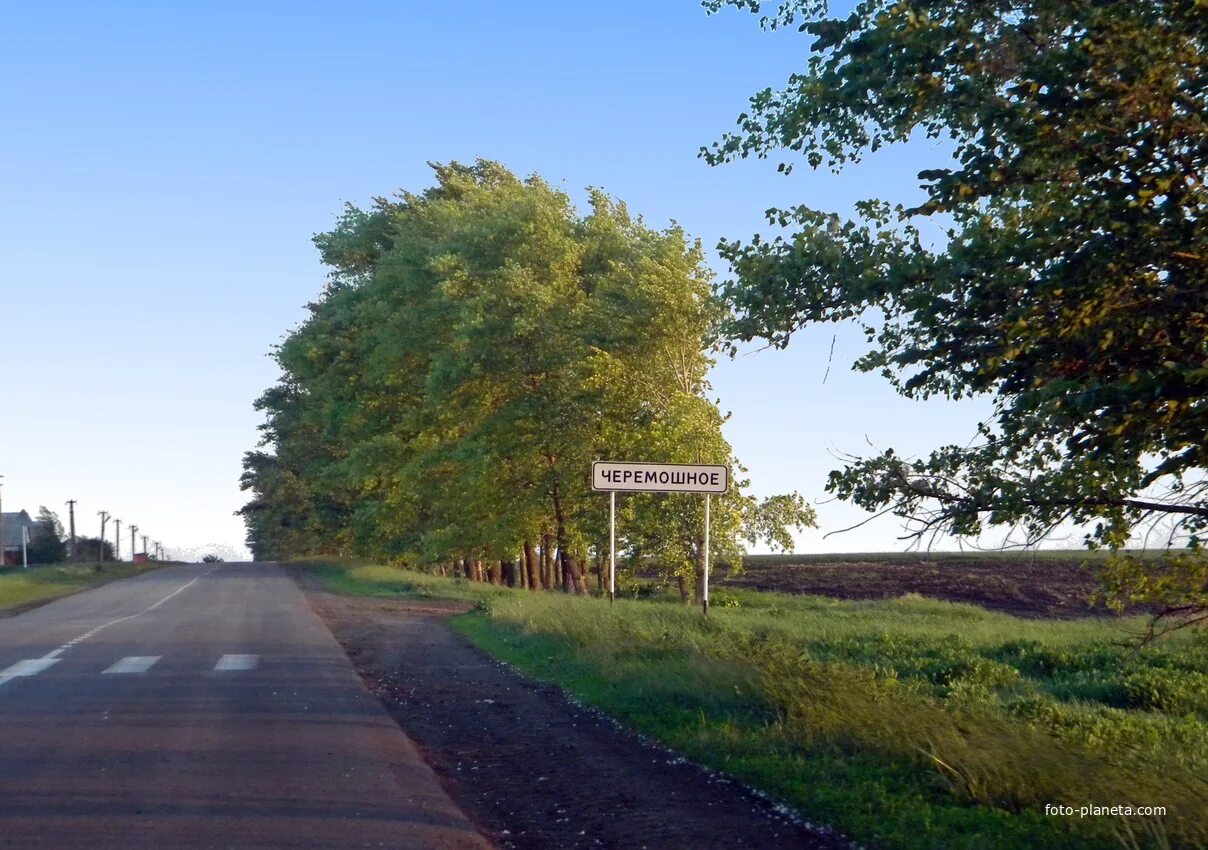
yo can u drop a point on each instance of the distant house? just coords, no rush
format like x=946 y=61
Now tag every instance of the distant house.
x=14 y=524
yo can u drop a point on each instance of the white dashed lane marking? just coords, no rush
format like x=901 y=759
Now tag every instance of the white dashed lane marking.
x=37 y=665
x=237 y=662
x=133 y=664
x=29 y=667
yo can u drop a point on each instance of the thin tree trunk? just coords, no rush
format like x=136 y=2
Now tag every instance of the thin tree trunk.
x=467 y=568
x=547 y=562
x=495 y=572
x=600 y=571
x=683 y=588
x=573 y=580
x=508 y=572
x=579 y=574
x=564 y=559
x=531 y=568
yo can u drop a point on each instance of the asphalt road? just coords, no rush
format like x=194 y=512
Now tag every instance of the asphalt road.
x=202 y=707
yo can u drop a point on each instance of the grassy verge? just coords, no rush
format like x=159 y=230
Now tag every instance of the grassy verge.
x=20 y=587
x=906 y=723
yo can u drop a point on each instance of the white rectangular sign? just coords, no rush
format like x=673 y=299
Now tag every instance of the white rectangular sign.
x=659 y=477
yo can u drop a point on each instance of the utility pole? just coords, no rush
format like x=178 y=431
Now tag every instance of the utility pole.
x=72 y=555
x=144 y=544
x=117 y=540
x=104 y=515
x=133 y=529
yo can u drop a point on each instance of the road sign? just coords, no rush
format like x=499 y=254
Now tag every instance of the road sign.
x=613 y=477
x=622 y=476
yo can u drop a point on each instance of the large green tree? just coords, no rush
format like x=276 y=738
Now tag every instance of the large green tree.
x=1072 y=280
x=477 y=346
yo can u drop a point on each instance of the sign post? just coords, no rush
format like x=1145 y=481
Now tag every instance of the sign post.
x=626 y=477
x=612 y=546
x=704 y=591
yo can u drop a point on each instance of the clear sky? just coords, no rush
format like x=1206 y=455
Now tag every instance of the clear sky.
x=164 y=166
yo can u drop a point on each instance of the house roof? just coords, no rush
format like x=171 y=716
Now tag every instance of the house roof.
x=13 y=523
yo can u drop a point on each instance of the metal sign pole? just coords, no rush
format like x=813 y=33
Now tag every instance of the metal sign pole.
x=612 y=546
x=705 y=591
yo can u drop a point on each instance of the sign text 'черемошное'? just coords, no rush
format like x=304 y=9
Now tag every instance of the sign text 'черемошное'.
x=623 y=476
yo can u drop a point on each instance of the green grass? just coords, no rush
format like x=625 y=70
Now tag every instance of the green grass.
x=357 y=579
x=907 y=723
x=20 y=586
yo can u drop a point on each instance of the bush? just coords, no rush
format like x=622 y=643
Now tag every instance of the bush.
x=1168 y=691
x=46 y=548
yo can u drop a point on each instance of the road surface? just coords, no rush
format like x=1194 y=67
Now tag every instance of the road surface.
x=202 y=707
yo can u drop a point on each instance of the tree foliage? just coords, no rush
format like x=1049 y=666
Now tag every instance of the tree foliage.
x=1072 y=282
x=46 y=544
x=93 y=549
x=477 y=346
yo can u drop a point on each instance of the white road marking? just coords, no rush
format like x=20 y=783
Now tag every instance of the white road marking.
x=237 y=662
x=29 y=667
x=134 y=664
x=93 y=631
x=53 y=656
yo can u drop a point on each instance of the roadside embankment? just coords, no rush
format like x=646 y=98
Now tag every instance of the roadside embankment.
x=23 y=589
x=906 y=723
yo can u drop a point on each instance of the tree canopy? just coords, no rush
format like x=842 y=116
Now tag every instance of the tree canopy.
x=1072 y=282
x=46 y=544
x=477 y=346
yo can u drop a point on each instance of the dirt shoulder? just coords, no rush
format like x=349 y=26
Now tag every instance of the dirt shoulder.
x=533 y=768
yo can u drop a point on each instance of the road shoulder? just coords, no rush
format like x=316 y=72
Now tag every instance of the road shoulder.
x=532 y=767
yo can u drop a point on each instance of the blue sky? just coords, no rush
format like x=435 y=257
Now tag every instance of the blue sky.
x=165 y=165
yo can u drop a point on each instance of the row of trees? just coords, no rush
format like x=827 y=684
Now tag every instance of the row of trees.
x=476 y=347
x=480 y=343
